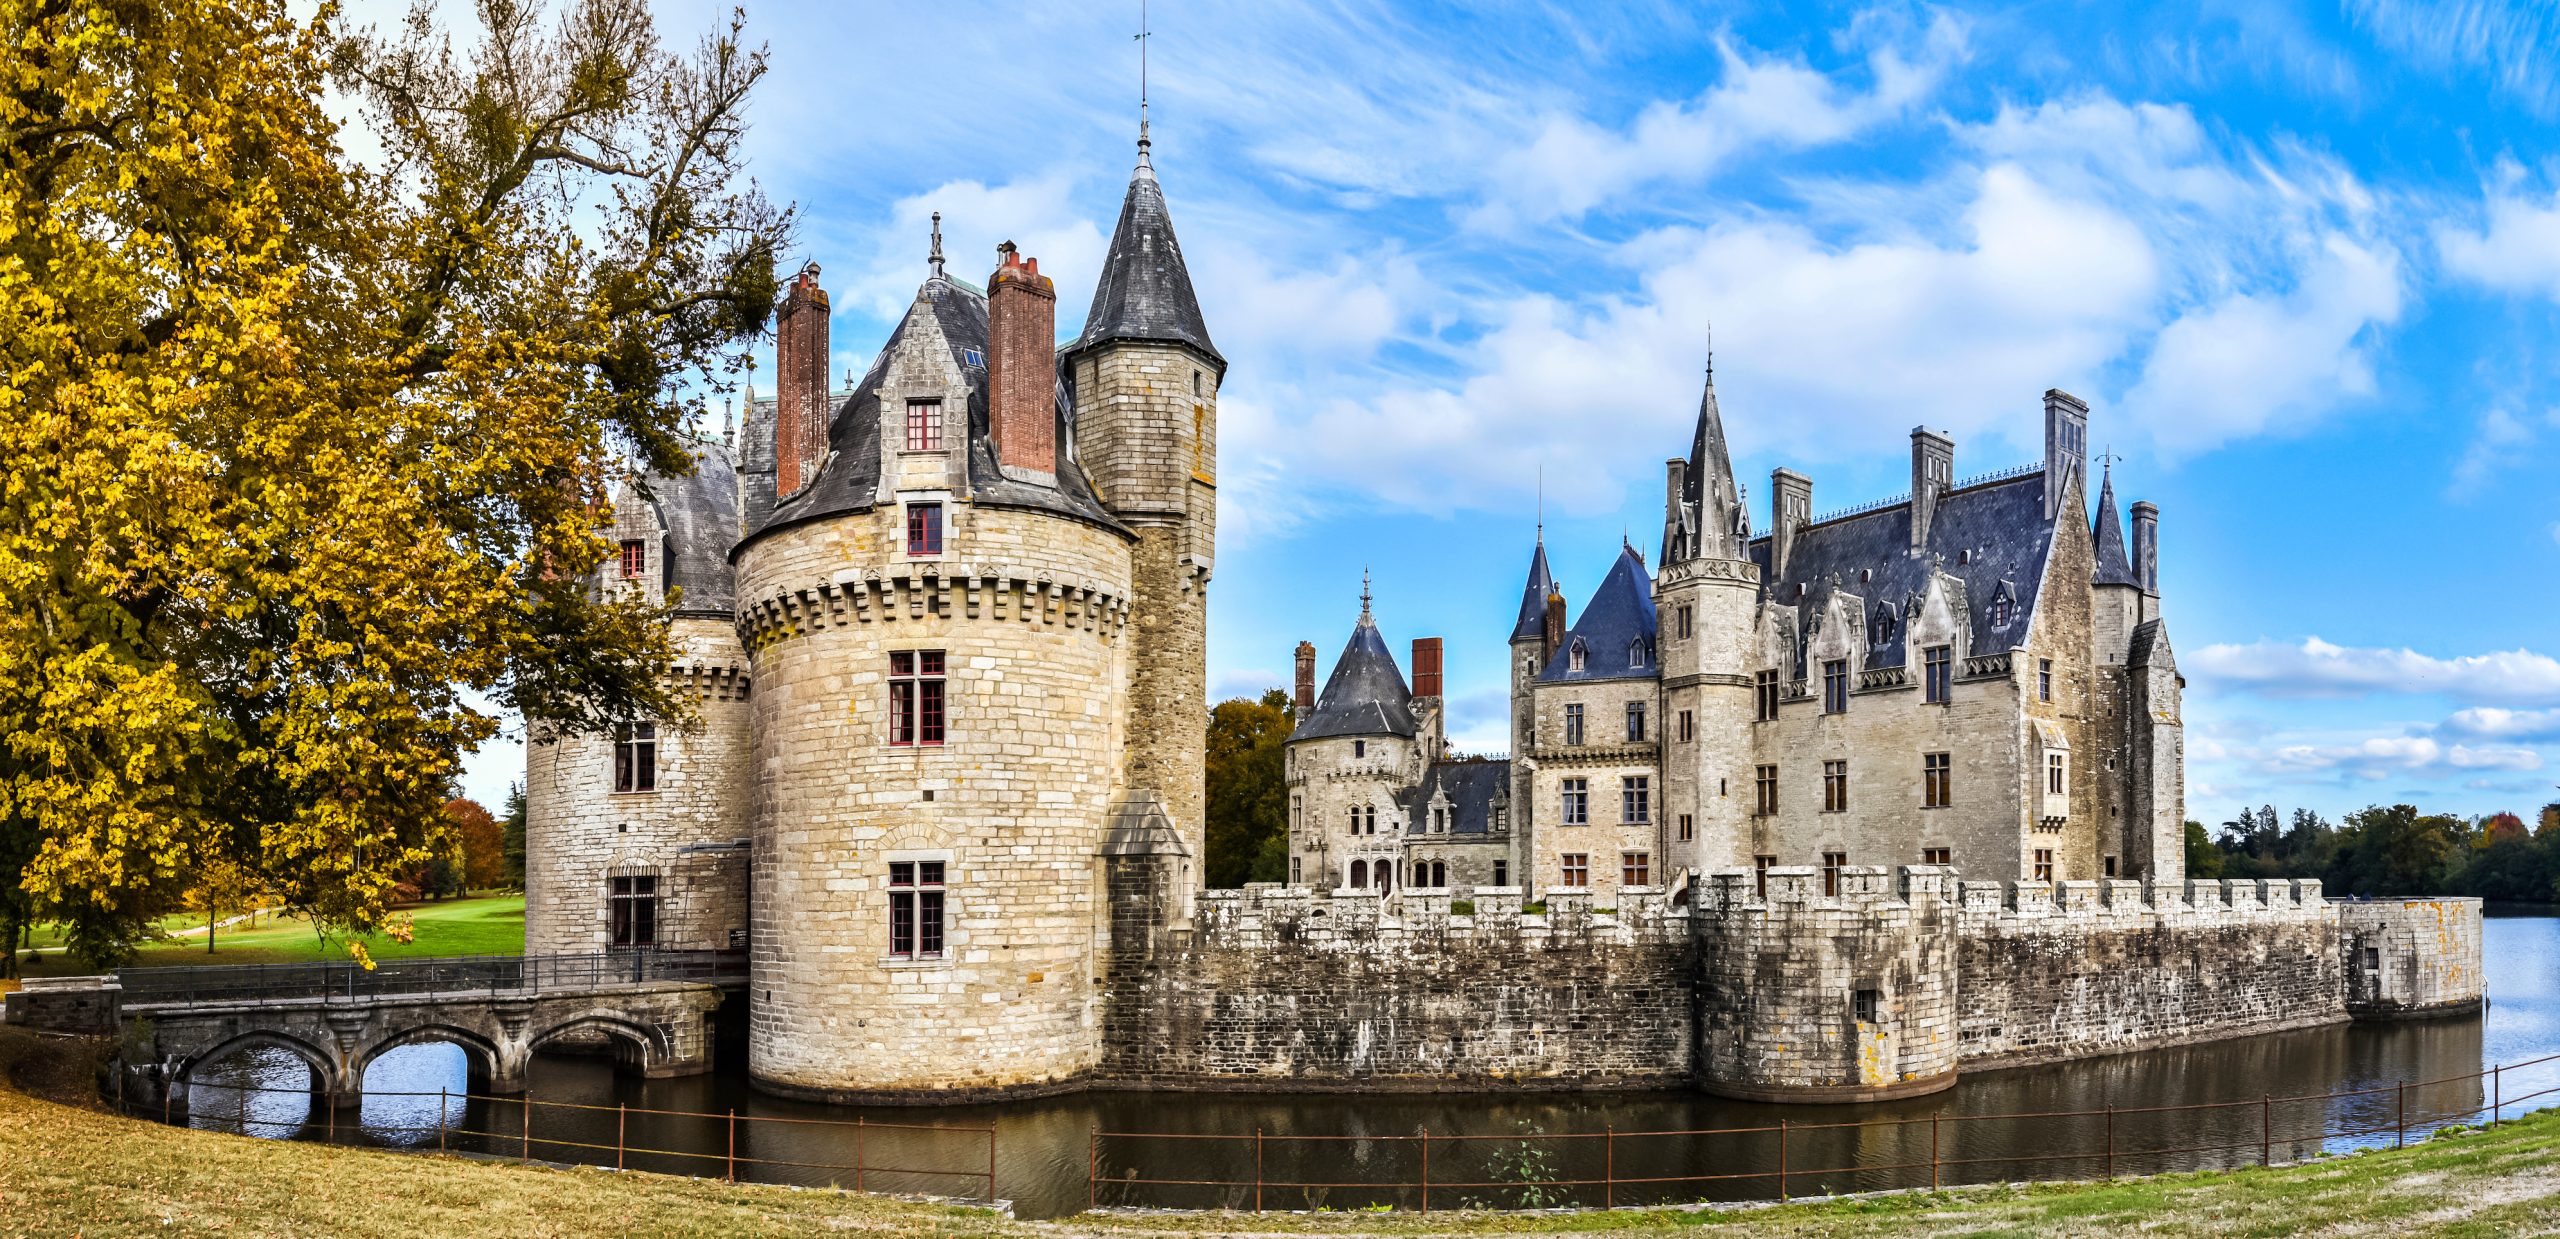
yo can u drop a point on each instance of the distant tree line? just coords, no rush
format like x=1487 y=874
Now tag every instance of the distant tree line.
x=2387 y=850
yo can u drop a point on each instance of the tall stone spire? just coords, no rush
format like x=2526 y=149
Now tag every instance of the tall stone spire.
x=1533 y=596
x=1144 y=291
x=1714 y=503
x=2114 y=566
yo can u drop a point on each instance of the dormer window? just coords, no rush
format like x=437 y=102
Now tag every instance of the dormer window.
x=1884 y=625
x=635 y=559
x=1575 y=657
x=2004 y=606
x=924 y=529
x=924 y=425
x=1635 y=654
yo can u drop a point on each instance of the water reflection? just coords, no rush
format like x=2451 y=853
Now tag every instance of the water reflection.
x=1043 y=1147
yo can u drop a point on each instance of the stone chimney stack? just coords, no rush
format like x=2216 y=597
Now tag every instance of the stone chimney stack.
x=1305 y=697
x=1426 y=666
x=1022 y=366
x=2146 y=546
x=1552 y=636
x=800 y=390
x=1790 y=510
x=2066 y=449
x=1675 y=504
x=1933 y=474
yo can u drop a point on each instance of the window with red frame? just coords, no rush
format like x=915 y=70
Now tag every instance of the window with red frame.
x=915 y=697
x=915 y=909
x=635 y=559
x=924 y=529
x=924 y=425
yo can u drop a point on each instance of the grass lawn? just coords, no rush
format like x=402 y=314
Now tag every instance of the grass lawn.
x=487 y=925
x=70 y=1169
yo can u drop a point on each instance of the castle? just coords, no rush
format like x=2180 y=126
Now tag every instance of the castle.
x=944 y=785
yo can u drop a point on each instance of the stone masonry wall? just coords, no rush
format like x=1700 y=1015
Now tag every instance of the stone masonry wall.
x=2407 y=957
x=2091 y=968
x=1290 y=988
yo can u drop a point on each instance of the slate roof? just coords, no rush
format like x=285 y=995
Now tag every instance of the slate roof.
x=2114 y=566
x=2002 y=523
x=850 y=479
x=2150 y=646
x=1472 y=787
x=1533 y=597
x=1618 y=618
x=1365 y=696
x=1144 y=292
x=700 y=515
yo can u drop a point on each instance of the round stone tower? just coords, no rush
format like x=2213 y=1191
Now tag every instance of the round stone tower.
x=1707 y=597
x=1347 y=762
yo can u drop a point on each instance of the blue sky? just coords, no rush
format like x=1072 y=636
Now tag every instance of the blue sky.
x=2303 y=265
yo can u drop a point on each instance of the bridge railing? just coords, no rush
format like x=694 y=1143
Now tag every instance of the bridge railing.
x=429 y=975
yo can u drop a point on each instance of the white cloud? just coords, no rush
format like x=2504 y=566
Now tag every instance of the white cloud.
x=2385 y=757
x=2492 y=446
x=1573 y=166
x=2317 y=668
x=2495 y=723
x=2516 y=249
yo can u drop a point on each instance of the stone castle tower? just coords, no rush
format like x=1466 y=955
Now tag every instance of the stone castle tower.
x=969 y=596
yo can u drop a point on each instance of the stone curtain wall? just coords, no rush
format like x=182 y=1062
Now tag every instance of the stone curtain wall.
x=2089 y=968
x=1290 y=988
x=2410 y=957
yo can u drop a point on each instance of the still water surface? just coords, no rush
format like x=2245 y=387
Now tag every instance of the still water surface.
x=1043 y=1147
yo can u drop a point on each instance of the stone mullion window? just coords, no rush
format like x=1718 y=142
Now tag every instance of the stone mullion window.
x=1635 y=869
x=1635 y=794
x=1764 y=781
x=1835 y=786
x=1939 y=664
x=1577 y=869
x=633 y=904
x=916 y=895
x=1573 y=723
x=1835 y=686
x=1766 y=682
x=917 y=698
x=1577 y=802
x=1635 y=722
x=635 y=757
x=1936 y=773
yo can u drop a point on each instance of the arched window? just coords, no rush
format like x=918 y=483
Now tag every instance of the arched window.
x=1359 y=874
x=1369 y=820
x=1884 y=625
x=1421 y=874
x=1386 y=877
x=1439 y=874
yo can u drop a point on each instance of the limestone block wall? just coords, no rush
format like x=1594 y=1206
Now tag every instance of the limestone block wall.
x=1330 y=777
x=1288 y=988
x=1803 y=996
x=1706 y=674
x=2087 y=968
x=1604 y=760
x=580 y=833
x=2410 y=957
x=1030 y=612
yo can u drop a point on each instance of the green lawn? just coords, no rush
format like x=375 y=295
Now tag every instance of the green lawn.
x=486 y=925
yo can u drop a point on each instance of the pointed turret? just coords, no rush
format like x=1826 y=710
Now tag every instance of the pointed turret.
x=2114 y=566
x=1144 y=293
x=1533 y=596
x=1707 y=519
x=1366 y=694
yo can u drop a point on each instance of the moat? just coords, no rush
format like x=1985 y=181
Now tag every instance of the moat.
x=1043 y=1146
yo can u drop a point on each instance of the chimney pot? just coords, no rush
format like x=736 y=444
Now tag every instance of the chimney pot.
x=1022 y=365
x=800 y=392
x=1305 y=697
x=1426 y=666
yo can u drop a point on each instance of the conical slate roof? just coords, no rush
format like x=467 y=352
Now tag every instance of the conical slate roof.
x=1366 y=695
x=1616 y=631
x=1711 y=465
x=2114 y=566
x=1144 y=292
x=1533 y=597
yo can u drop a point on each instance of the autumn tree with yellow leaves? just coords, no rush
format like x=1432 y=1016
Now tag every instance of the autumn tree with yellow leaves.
x=306 y=450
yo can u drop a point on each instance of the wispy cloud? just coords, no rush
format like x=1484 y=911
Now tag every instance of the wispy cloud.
x=2317 y=668
x=2514 y=46
x=2514 y=246
x=2493 y=446
x=2495 y=723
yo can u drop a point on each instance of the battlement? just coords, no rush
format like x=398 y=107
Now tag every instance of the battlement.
x=1266 y=915
x=1879 y=889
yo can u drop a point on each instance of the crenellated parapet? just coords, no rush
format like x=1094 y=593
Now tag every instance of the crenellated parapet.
x=1270 y=915
x=712 y=681
x=1000 y=594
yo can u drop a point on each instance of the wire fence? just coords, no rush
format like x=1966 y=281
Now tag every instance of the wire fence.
x=429 y=975
x=725 y=1145
x=1423 y=1170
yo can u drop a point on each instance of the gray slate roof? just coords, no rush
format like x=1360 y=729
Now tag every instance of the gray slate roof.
x=2002 y=523
x=2150 y=646
x=1618 y=619
x=1533 y=597
x=1472 y=787
x=1365 y=696
x=1144 y=292
x=850 y=479
x=2114 y=566
x=700 y=514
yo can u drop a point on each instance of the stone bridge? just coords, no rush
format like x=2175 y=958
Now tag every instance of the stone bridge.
x=653 y=1011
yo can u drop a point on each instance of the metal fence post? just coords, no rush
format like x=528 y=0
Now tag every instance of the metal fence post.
x=2111 y=1142
x=1782 y=1159
x=733 y=1144
x=2498 y=1093
x=2400 y=1126
x=991 y=1163
x=1426 y=1170
x=440 y=1105
x=1257 y=1169
x=858 y=1142
x=1933 y=1150
x=329 y=1131
x=524 y=1152
x=1609 y=1166
x=2266 y=1129
x=1092 y=1166
x=621 y=1126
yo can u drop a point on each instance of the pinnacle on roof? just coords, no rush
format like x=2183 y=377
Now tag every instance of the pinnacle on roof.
x=1144 y=292
x=1533 y=596
x=2114 y=566
x=1710 y=477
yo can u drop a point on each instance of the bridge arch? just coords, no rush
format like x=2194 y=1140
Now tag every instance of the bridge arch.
x=484 y=1060
x=322 y=1063
x=636 y=1045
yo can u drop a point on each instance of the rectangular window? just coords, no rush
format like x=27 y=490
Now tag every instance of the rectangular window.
x=2053 y=773
x=1937 y=856
x=1936 y=769
x=1760 y=866
x=635 y=560
x=924 y=425
x=1297 y=874
x=635 y=757
x=915 y=697
x=1635 y=869
x=1764 y=783
x=1573 y=723
x=2372 y=960
x=1359 y=748
x=1863 y=1004
x=2044 y=864
x=1688 y=726
x=635 y=911
x=924 y=529
x=1577 y=869
x=1635 y=722
x=1835 y=686
x=1684 y=620
x=1765 y=684
x=1501 y=821
x=1938 y=674
x=1835 y=787
x=2044 y=679
x=1502 y=873
x=1635 y=794
x=915 y=909
x=2111 y=866
x=1688 y=828
x=1577 y=802
x=1832 y=864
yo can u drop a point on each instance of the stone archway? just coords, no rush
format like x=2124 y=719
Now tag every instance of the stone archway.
x=636 y=1046
x=327 y=1079
x=485 y=1061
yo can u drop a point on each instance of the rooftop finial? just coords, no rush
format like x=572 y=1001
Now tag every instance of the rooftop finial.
x=1711 y=353
x=1146 y=167
x=2107 y=460
x=728 y=422
x=1364 y=593
x=936 y=260
x=1542 y=503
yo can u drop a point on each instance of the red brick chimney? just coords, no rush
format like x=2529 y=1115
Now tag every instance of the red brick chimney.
x=1426 y=666
x=800 y=394
x=1022 y=364
x=1306 y=694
